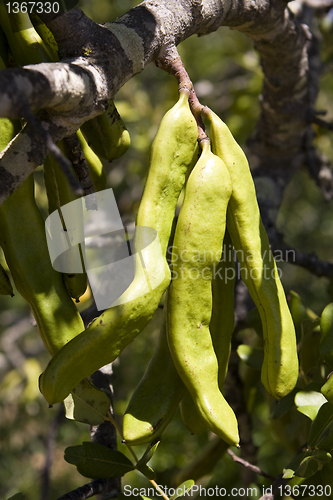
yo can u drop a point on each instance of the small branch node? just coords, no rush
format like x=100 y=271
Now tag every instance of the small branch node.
x=52 y=148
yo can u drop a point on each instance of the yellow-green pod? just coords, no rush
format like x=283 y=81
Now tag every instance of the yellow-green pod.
x=197 y=250
x=110 y=333
x=222 y=323
x=221 y=328
x=326 y=325
x=259 y=272
x=8 y=128
x=59 y=193
x=157 y=395
x=326 y=341
x=190 y=415
x=46 y=35
x=23 y=239
x=107 y=134
x=155 y=399
x=25 y=44
x=95 y=165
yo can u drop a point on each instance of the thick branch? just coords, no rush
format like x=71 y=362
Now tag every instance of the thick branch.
x=100 y=59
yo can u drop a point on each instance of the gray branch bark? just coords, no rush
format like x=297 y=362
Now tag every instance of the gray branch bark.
x=98 y=60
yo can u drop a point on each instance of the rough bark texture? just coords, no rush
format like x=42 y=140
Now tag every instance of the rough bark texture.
x=98 y=60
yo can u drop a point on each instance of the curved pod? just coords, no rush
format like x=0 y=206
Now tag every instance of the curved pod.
x=110 y=333
x=196 y=251
x=259 y=272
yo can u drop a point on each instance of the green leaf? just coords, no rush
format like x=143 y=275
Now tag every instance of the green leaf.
x=87 y=404
x=183 y=489
x=321 y=430
x=309 y=411
x=252 y=356
x=96 y=461
x=307 y=463
x=142 y=463
x=298 y=311
x=311 y=395
x=288 y=473
x=17 y=496
x=310 y=400
x=148 y=454
x=312 y=463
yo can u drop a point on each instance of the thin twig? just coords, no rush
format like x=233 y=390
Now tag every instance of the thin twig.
x=309 y=261
x=246 y=464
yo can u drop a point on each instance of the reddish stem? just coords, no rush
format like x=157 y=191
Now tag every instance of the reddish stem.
x=170 y=61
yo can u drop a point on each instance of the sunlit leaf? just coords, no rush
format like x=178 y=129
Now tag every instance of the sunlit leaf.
x=309 y=411
x=87 y=404
x=307 y=463
x=321 y=430
x=183 y=489
x=310 y=400
x=288 y=473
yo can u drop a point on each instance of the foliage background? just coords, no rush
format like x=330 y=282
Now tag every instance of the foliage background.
x=227 y=76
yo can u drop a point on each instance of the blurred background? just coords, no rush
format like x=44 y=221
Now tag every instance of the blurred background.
x=227 y=77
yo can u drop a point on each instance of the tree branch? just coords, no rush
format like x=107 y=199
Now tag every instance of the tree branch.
x=309 y=261
x=86 y=491
x=100 y=59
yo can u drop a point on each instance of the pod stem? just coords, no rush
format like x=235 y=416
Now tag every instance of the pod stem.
x=130 y=449
x=170 y=61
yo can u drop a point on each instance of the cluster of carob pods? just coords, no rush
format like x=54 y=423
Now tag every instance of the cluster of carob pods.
x=219 y=212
